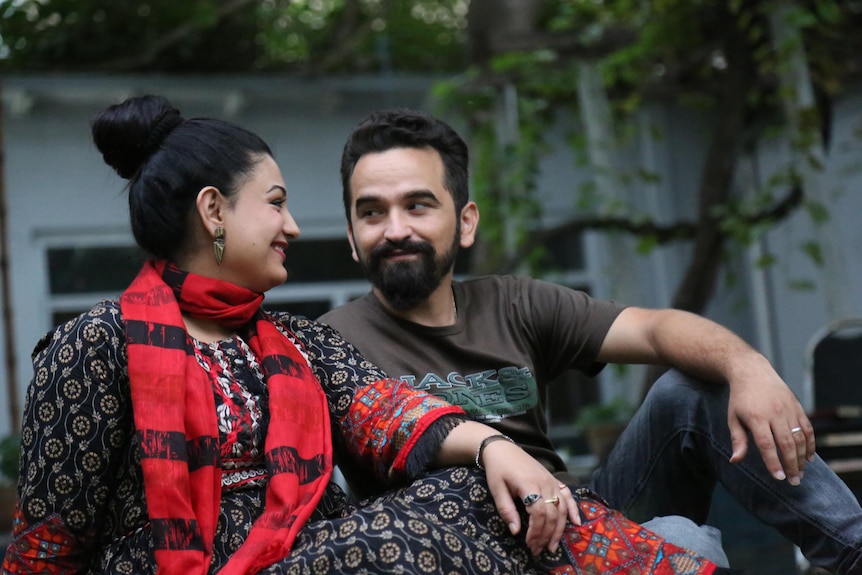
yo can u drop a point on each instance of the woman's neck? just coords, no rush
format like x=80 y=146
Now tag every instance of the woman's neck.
x=205 y=330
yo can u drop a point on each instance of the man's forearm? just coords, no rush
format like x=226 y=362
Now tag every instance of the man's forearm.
x=680 y=339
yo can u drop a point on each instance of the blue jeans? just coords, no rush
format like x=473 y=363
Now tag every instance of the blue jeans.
x=676 y=448
x=683 y=532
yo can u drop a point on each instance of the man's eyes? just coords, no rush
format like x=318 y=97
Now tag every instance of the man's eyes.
x=376 y=212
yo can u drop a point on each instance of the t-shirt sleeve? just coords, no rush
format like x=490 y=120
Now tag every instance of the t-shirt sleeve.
x=567 y=325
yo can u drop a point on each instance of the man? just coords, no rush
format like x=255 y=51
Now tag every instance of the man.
x=492 y=344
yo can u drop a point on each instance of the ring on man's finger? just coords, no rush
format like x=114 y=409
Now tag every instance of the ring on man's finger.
x=563 y=486
x=796 y=430
x=531 y=498
x=553 y=500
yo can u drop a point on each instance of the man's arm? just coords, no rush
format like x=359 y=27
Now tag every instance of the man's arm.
x=760 y=401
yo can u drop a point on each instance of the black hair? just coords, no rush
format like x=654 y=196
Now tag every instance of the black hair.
x=405 y=128
x=168 y=160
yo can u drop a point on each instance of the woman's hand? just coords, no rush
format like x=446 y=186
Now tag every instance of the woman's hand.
x=516 y=478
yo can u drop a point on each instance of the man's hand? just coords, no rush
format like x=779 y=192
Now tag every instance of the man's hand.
x=762 y=404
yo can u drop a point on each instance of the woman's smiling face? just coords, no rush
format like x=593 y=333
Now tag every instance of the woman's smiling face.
x=258 y=227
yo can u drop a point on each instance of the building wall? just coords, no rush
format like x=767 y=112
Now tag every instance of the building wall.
x=58 y=192
x=797 y=315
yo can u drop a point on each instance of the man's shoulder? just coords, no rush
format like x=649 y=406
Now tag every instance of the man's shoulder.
x=536 y=298
x=363 y=322
x=503 y=285
x=493 y=282
x=349 y=311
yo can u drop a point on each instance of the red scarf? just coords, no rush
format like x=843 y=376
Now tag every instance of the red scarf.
x=174 y=412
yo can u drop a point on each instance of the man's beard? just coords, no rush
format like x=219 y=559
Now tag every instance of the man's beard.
x=406 y=284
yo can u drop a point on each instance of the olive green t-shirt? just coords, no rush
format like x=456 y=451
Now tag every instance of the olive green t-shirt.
x=512 y=336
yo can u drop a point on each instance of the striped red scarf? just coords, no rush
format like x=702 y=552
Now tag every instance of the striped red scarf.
x=174 y=413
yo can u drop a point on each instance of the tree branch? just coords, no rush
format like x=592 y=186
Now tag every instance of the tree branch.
x=168 y=40
x=661 y=233
x=346 y=39
x=568 y=44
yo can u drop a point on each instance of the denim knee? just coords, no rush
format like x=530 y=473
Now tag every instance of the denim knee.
x=685 y=394
x=704 y=540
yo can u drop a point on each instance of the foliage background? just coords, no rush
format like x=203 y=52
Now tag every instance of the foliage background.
x=756 y=69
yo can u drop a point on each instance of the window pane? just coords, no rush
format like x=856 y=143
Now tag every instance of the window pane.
x=93 y=269
x=61 y=317
x=565 y=253
x=463 y=261
x=566 y=395
x=321 y=261
x=112 y=268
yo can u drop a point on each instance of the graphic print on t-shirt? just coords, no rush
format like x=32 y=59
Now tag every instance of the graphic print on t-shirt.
x=489 y=395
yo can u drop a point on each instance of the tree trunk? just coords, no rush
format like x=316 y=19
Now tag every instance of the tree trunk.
x=698 y=283
x=493 y=24
x=12 y=400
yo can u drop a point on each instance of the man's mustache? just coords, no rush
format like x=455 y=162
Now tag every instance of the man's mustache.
x=404 y=246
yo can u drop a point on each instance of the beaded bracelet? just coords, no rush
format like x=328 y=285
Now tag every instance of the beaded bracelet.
x=484 y=444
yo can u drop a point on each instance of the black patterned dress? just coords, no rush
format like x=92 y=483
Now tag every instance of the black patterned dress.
x=82 y=499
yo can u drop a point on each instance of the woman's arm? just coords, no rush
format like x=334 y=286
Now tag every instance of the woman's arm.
x=370 y=407
x=376 y=420
x=513 y=474
x=76 y=421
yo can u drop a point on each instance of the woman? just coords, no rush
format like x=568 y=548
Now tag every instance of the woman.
x=184 y=429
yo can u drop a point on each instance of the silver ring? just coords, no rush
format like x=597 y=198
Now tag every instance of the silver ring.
x=796 y=430
x=531 y=498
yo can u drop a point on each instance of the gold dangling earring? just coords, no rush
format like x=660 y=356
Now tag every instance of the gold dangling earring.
x=218 y=244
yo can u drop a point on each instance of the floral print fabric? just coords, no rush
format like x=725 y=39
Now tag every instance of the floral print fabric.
x=78 y=442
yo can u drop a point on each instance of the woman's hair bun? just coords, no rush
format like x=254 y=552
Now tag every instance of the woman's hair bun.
x=128 y=133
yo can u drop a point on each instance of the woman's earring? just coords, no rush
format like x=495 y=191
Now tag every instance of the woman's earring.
x=218 y=244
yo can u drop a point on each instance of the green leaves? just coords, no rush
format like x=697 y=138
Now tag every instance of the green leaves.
x=680 y=52
x=320 y=36
x=818 y=213
x=10 y=449
x=675 y=50
x=813 y=250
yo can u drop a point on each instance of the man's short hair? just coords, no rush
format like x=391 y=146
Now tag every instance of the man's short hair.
x=404 y=128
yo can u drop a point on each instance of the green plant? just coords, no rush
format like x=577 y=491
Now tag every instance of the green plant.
x=617 y=411
x=10 y=451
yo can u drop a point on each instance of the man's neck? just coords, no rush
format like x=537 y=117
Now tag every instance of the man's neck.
x=438 y=310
